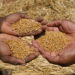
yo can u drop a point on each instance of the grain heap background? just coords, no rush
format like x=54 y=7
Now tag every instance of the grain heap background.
x=50 y=10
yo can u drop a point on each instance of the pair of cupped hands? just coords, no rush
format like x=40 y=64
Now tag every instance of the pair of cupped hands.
x=65 y=57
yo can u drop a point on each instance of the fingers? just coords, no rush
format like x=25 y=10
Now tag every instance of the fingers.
x=31 y=57
x=55 y=23
x=4 y=49
x=12 y=60
x=36 y=49
x=23 y=15
x=15 y=17
x=51 y=24
x=41 y=20
x=36 y=45
x=44 y=22
x=44 y=27
x=4 y=37
x=52 y=29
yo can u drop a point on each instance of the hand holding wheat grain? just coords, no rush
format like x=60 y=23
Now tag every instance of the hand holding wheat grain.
x=16 y=51
x=20 y=24
x=67 y=55
x=7 y=21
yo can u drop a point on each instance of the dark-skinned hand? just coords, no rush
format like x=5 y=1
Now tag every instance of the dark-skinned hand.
x=6 y=54
x=7 y=21
x=67 y=55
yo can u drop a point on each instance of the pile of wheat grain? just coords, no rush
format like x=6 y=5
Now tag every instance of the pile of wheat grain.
x=53 y=41
x=27 y=26
x=20 y=48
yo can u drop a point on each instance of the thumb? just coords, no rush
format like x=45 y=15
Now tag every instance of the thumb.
x=36 y=45
x=4 y=49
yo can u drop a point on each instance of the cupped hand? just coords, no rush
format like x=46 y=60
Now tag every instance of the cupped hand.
x=6 y=54
x=64 y=58
x=67 y=55
x=7 y=21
